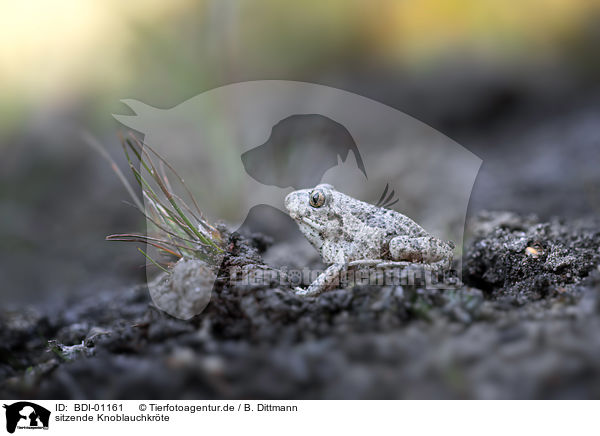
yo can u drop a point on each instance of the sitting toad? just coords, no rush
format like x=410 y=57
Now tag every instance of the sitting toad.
x=349 y=232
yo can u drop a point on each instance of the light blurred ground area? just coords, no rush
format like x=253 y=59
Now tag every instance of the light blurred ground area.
x=514 y=83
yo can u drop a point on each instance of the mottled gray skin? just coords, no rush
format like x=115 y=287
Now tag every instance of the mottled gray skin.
x=350 y=232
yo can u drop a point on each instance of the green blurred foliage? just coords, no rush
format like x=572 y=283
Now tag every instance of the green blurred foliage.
x=91 y=54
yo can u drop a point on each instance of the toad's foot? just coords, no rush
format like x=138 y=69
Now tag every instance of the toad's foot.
x=327 y=280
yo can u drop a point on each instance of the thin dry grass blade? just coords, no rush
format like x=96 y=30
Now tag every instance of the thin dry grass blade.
x=95 y=144
x=155 y=263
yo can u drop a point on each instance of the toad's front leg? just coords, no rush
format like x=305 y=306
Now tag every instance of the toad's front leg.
x=325 y=281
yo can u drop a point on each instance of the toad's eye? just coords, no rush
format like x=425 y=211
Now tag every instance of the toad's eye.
x=316 y=198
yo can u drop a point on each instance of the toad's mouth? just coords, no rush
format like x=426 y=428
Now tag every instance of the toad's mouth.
x=310 y=223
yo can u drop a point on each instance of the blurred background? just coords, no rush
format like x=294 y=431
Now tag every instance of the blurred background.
x=514 y=82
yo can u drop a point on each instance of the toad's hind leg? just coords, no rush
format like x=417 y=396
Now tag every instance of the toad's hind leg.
x=426 y=249
x=326 y=280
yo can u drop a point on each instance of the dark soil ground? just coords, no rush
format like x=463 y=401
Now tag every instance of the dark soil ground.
x=525 y=325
